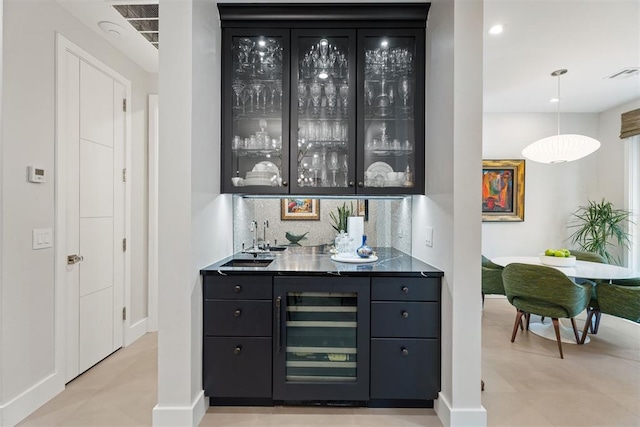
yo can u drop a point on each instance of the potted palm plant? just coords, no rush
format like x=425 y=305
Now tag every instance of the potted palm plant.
x=600 y=228
x=340 y=217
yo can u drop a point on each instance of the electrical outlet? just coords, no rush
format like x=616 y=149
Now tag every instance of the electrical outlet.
x=429 y=237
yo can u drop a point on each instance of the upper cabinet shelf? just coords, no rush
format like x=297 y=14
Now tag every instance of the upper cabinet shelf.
x=323 y=99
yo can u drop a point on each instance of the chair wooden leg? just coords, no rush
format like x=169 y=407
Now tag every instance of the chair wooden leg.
x=482 y=299
x=515 y=325
x=587 y=325
x=594 y=329
x=528 y=317
x=575 y=330
x=542 y=319
x=556 y=326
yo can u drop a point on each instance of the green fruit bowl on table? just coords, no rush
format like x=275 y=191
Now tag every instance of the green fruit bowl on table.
x=558 y=258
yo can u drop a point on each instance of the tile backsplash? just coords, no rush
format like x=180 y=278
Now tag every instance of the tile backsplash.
x=388 y=222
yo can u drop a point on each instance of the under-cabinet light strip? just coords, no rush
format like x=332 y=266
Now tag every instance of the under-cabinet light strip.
x=330 y=350
x=300 y=364
x=322 y=309
x=297 y=324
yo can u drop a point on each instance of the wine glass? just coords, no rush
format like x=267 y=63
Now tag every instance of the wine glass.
x=344 y=96
x=257 y=88
x=302 y=96
x=368 y=94
x=345 y=168
x=331 y=93
x=237 y=89
x=316 y=165
x=403 y=90
x=316 y=93
x=333 y=166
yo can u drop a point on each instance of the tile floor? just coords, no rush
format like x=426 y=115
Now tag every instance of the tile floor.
x=527 y=384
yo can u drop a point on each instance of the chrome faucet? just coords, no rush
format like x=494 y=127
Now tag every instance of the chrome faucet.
x=265 y=224
x=253 y=226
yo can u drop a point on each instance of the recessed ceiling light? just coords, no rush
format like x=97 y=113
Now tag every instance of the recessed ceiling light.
x=112 y=28
x=496 y=29
x=554 y=100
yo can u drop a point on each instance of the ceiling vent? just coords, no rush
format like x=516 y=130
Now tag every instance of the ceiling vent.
x=624 y=73
x=143 y=16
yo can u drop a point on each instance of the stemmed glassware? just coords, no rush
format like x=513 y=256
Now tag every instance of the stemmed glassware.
x=246 y=94
x=344 y=97
x=316 y=166
x=345 y=169
x=331 y=94
x=257 y=88
x=302 y=97
x=368 y=94
x=316 y=93
x=237 y=89
x=333 y=166
x=403 y=90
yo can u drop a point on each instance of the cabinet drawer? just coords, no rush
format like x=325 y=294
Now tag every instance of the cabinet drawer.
x=237 y=318
x=237 y=367
x=405 y=368
x=405 y=289
x=405 y=319
x=237 y=287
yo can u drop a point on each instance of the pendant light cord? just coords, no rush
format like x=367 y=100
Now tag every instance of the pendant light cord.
x=558 y=104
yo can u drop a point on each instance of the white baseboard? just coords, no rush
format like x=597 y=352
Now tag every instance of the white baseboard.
x=171 y=416
x=466 y=417
x=23 y=405
x=135 y=331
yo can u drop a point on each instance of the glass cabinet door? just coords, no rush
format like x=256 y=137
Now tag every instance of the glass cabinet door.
x=323 y=111
x=321 y=338
x=255 y=84
x=391 y=104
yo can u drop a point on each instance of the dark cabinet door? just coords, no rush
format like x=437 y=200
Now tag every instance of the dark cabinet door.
x=237 y=367
x=323 y=93
x=321 y=338
x=405 y=368
x=255 y=126
x=391 y=113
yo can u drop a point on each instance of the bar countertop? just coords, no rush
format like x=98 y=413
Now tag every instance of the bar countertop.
x=317 y=261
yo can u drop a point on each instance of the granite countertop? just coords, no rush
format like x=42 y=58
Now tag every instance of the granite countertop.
x=317 y=261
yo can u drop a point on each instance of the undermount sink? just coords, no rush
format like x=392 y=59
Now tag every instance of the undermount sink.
x=243 y=262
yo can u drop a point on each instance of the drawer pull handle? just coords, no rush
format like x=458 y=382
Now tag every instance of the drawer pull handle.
x=237 y=313
x=405 y=314
x=237 y=288
x=237 y=350
x=405 y=351
x=405 y=290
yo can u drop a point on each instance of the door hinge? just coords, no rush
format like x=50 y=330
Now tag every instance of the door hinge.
x=124 y=313
x=124 y=175
x=124 y=244
x=124 y=105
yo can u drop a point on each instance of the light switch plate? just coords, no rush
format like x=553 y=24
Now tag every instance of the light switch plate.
x=42 y=238
x=429 y=237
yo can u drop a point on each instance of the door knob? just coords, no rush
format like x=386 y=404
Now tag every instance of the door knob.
x=74 y=259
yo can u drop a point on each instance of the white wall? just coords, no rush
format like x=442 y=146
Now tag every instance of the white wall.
x=552 y=191
x=27 y=346
x=452 y=201
x=194 y=220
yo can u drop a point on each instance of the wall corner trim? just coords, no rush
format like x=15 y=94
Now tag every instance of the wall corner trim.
x=170 y=416
x=464 y=417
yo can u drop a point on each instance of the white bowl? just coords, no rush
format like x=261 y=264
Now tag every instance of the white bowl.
x=555 y=261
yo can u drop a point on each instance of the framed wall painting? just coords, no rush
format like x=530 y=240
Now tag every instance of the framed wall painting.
x=503 y=190
x=300 y=209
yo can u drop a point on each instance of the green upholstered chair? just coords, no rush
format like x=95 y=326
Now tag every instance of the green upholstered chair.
x=491 y=278
x=545 y=291
x=592 y=309
x=621 y=298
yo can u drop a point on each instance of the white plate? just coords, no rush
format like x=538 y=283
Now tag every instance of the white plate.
x=353 y=259
x=380 y=168
x=266 y=166
x=394 y=183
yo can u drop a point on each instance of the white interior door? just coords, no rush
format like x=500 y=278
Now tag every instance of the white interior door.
x=95 y=214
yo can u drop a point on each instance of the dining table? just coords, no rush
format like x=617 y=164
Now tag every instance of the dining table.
x=580 y=270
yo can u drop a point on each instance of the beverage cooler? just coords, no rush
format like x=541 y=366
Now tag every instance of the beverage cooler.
x=321 y=345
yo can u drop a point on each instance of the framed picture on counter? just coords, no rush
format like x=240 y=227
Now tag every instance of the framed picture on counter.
x=300 y=209
x=503 y=190
x=363 y=208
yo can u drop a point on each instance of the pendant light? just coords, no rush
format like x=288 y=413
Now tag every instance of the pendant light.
x=560 y=148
